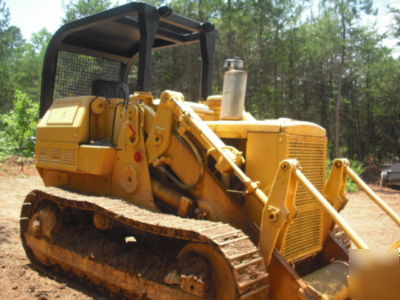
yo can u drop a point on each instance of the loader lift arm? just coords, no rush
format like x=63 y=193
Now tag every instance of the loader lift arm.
x=278 y=208
x=275 y=211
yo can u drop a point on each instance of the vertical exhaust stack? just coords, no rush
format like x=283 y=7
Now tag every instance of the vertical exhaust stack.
x=234 y=90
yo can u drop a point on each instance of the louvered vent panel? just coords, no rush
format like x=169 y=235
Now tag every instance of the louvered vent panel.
x=56 y=156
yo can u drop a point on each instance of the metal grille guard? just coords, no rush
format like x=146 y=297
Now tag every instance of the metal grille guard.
x=280 y=208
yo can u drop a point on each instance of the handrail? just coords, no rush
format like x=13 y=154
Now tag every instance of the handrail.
x=363 y=186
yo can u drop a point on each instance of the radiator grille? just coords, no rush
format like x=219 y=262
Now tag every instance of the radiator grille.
x=56 y=156
x=304 y=235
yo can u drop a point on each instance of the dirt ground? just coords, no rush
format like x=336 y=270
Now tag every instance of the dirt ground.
x=17 y=278
x=19 y=281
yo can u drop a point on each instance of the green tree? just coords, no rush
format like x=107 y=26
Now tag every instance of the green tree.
x=10 y=43
x=396 y=27
x=28 y=65
x=347 y=11
x=19 y=126
x=78 y=9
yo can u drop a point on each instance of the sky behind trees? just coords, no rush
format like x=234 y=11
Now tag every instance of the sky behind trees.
x=32 y=15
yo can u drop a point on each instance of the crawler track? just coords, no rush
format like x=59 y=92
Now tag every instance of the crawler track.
x=141 y=270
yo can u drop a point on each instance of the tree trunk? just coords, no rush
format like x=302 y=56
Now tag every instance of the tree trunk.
x=340 y=86
x=229 y=36
x=337 y=115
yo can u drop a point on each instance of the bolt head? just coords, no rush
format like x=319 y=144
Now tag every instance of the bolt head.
x=338 y=164
x=273 y=216
x=36 y=227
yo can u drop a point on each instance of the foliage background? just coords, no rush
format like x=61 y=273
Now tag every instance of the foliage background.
x=325 y=68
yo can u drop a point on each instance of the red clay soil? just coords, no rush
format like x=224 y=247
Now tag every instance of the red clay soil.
x=369 y=221
x=19 y=281
x=17 y=278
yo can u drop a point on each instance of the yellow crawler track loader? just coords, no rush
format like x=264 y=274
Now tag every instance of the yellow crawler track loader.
x=171 y=199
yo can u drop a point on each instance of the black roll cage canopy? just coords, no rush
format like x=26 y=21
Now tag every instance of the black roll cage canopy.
x=123 y=33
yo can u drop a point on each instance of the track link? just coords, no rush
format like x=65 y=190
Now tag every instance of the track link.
x=239 y=253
